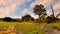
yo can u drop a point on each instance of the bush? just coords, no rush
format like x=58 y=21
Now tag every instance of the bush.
x=50 y=19
x=7 y=19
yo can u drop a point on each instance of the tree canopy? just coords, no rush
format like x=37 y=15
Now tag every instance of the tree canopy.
x=40 y=11
x=7 y=19
x=27 y=18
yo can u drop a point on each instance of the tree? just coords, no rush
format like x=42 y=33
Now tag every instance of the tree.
x=27 y=18
x=52 y=17
x=7 y=19
x=52 y=12
x=40 y=11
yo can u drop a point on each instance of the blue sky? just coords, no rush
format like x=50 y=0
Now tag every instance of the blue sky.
x=19 y=8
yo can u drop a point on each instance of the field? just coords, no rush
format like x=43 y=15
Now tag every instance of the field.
x=30 y=27
x=55 y=25
x=24 y=27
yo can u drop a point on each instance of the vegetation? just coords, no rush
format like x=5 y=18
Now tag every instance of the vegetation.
x=27 y=23
x=27 y=18
x=40 y=11
x=55 y=25
x=7 y=19
x=52 y=18
x=24 y=27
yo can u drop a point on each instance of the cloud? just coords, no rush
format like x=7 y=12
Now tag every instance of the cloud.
x=34 y=16
x=56 y=9
x=49 y=12
x=34 y=3
x=8 y=6
x=47 y=3
x=57 y=6
x=25 y=11
x=29 y=0
x=19 y=17
x=44 y=2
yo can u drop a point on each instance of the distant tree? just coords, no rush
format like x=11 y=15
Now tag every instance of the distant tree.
x=32 y=19
x=16 y=20
x=50 y=19
x=27 y=18
x=1 y=19
x=40 y=11
x=7 y=19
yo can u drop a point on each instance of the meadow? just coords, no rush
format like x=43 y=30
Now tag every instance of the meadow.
x=55 y=25
x=24 y=27
x=30 y=27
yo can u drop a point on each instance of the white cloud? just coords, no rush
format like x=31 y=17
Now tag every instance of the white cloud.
x=34 y=16
x=36 y=2
x=29 y=0
x=44 y=2
x=47 y=3
x=25 y=11
x=49 y=12
x=8 y=6
x=16 y=17
x=57 y=6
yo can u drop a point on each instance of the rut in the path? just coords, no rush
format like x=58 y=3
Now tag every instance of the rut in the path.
x=10 y=30
x=49 y=30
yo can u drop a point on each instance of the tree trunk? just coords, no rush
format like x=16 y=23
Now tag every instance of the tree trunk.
x=39 y=20
x=52 y=11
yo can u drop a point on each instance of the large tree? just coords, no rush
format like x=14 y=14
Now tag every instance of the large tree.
x=40 y=11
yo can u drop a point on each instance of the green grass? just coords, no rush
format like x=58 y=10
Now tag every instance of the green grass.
x=55 y=25
x=25 y=27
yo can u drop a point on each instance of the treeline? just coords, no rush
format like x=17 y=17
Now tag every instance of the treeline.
x=28 y=18
x=38 y=10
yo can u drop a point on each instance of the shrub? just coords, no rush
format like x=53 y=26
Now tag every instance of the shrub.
x=7 y=19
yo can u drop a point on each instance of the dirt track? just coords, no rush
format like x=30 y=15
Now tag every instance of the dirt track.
x=49 y=30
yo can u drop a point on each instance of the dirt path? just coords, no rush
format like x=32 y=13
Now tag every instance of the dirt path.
x=49 y=30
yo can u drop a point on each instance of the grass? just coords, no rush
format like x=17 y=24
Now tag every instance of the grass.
x=30 y=27
x=55 y=25
x=25 y=27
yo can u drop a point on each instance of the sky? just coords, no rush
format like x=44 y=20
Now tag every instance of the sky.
x=19 y=8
